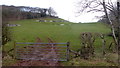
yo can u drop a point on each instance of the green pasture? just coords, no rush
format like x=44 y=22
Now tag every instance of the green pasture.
x=69 y=32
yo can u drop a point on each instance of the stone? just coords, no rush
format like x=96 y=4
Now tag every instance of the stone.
x=51 y=21
x=37 y=20
x=62 y=24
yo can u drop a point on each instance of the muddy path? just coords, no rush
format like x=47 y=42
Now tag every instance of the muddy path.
x=48 y=56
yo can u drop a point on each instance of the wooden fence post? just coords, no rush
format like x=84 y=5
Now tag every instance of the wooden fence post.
x=103 y=44
x=14 y=55
x=68 y=44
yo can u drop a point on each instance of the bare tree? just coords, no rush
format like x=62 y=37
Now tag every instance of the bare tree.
x=51 y=11
x=104 y=6
x=108 y=18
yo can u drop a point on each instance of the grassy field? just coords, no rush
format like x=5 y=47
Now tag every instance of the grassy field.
x=30 y=30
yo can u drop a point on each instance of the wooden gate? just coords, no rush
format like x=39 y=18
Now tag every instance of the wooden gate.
x=42 y=51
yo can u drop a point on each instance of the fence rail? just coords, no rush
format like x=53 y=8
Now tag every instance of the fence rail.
x=18 y=51
x=39 y=43
x=41 y=46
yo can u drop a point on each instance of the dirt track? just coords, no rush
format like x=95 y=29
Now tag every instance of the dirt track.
x=48 y=57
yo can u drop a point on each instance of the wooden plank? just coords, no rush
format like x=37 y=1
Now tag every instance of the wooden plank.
x=34 y=54
x=38 y=43
x=28 y=51
x=68 y=43
x=41 y=46
x=14 y=56
x=42 y=59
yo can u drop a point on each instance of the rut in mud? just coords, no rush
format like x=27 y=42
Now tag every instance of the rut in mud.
x=48 y=55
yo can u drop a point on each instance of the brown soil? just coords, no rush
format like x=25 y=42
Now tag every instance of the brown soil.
x=47 y=58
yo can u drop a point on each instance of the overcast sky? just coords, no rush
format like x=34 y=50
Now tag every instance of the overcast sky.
x=65 y=9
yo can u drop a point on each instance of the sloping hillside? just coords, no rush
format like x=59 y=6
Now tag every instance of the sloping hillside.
x=61 y=32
